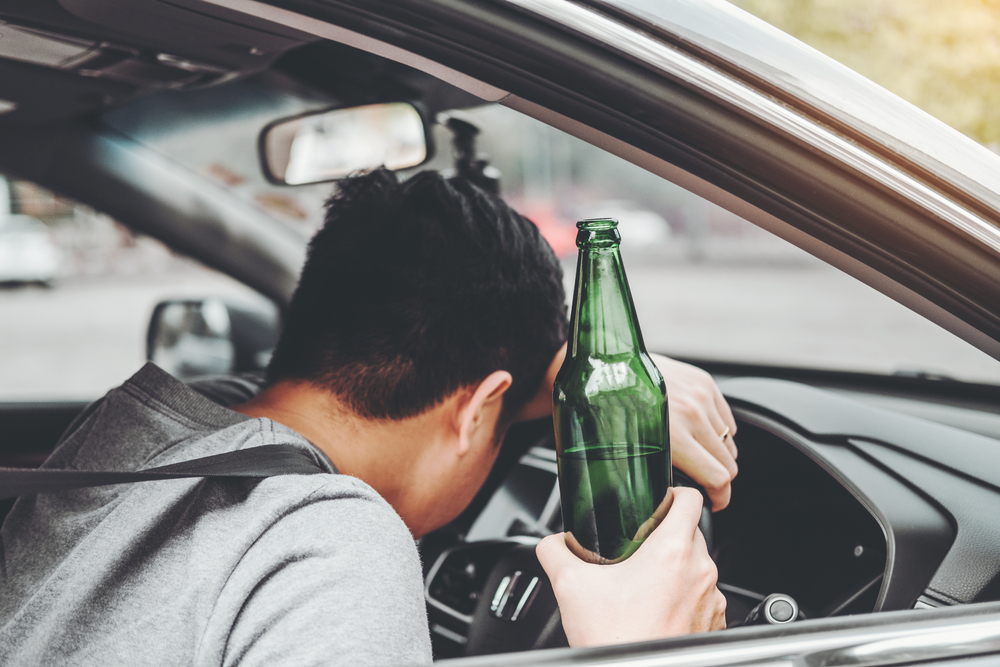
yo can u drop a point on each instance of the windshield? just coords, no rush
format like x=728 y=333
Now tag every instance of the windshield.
x=214 y=132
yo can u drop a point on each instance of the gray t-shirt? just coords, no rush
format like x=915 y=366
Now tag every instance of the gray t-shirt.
x=289 y=570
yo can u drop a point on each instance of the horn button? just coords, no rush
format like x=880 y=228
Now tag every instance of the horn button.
x=517 y=610
x=491 y=597
x=514 y=595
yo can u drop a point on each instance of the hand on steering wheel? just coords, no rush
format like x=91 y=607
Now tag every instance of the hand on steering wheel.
x=701 y=428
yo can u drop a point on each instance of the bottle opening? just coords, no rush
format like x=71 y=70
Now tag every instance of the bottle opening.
x=597 y=224
x=598 y=233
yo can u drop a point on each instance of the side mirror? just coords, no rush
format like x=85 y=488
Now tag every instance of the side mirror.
x=325 y=145
x=192 y=337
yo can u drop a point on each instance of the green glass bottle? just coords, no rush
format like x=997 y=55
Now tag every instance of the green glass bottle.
x=610 y=411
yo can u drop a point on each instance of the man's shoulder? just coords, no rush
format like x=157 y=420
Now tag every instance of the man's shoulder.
x=341 y=498
x=337 y=566
x=236 y=554
x=155 y=419
x=330 y=513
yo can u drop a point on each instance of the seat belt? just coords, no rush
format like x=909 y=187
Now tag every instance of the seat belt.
x=252 y=463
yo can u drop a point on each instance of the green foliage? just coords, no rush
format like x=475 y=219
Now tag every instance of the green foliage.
x=941 y=55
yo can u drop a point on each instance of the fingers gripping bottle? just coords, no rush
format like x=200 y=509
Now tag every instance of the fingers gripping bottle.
x=610 y=411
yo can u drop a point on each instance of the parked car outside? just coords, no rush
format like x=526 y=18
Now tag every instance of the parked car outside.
x=28 y=253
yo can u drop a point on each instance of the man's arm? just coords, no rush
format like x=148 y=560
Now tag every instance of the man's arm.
x=334 y=581
x=666 y=588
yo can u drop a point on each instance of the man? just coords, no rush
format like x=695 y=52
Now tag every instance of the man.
x=429 y=317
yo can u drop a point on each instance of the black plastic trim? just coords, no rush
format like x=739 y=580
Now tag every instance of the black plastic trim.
x=947 y=470
x=917 y=534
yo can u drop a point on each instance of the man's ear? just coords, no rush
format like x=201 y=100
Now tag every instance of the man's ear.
x=483 y=407
x=540 y=404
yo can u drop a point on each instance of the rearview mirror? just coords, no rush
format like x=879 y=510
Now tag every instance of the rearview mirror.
x=326 y=145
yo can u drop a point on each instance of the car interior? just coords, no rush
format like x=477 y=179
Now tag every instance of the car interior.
x=857 y=493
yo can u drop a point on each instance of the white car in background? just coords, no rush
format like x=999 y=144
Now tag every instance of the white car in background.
x=28 y=253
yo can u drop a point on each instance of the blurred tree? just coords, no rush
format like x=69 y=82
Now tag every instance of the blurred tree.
x=941 y=55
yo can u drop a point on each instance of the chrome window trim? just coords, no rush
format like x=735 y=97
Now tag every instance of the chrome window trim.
x=920 y=641
x=708 y=80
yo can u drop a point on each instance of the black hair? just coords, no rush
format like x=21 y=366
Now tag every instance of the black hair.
x=414 y=290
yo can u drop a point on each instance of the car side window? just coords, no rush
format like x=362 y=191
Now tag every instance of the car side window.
x=76 y=293
x=707 y=284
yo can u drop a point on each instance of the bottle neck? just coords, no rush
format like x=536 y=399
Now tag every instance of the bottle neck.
x=603 y=321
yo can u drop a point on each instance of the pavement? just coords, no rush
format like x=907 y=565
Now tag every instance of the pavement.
x=85 y=335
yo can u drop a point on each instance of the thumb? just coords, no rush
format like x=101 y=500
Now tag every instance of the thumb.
x=554 y=555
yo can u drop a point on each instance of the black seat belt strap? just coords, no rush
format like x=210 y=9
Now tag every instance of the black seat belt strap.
x=255 y=462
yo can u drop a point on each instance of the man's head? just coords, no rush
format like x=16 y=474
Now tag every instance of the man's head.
x=415 y=290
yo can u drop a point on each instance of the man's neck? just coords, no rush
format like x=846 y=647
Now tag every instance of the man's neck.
x=386 y=454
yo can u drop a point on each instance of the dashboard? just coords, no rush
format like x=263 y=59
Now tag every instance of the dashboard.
x=845 y=507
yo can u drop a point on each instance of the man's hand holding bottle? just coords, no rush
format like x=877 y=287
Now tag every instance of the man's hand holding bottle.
x=666 y=588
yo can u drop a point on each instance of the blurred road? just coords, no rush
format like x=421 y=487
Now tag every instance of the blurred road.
x=86 y=335
x=809 y=315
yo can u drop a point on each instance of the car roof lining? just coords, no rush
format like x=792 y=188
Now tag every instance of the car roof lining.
x=55 y=133
x=132 y=49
